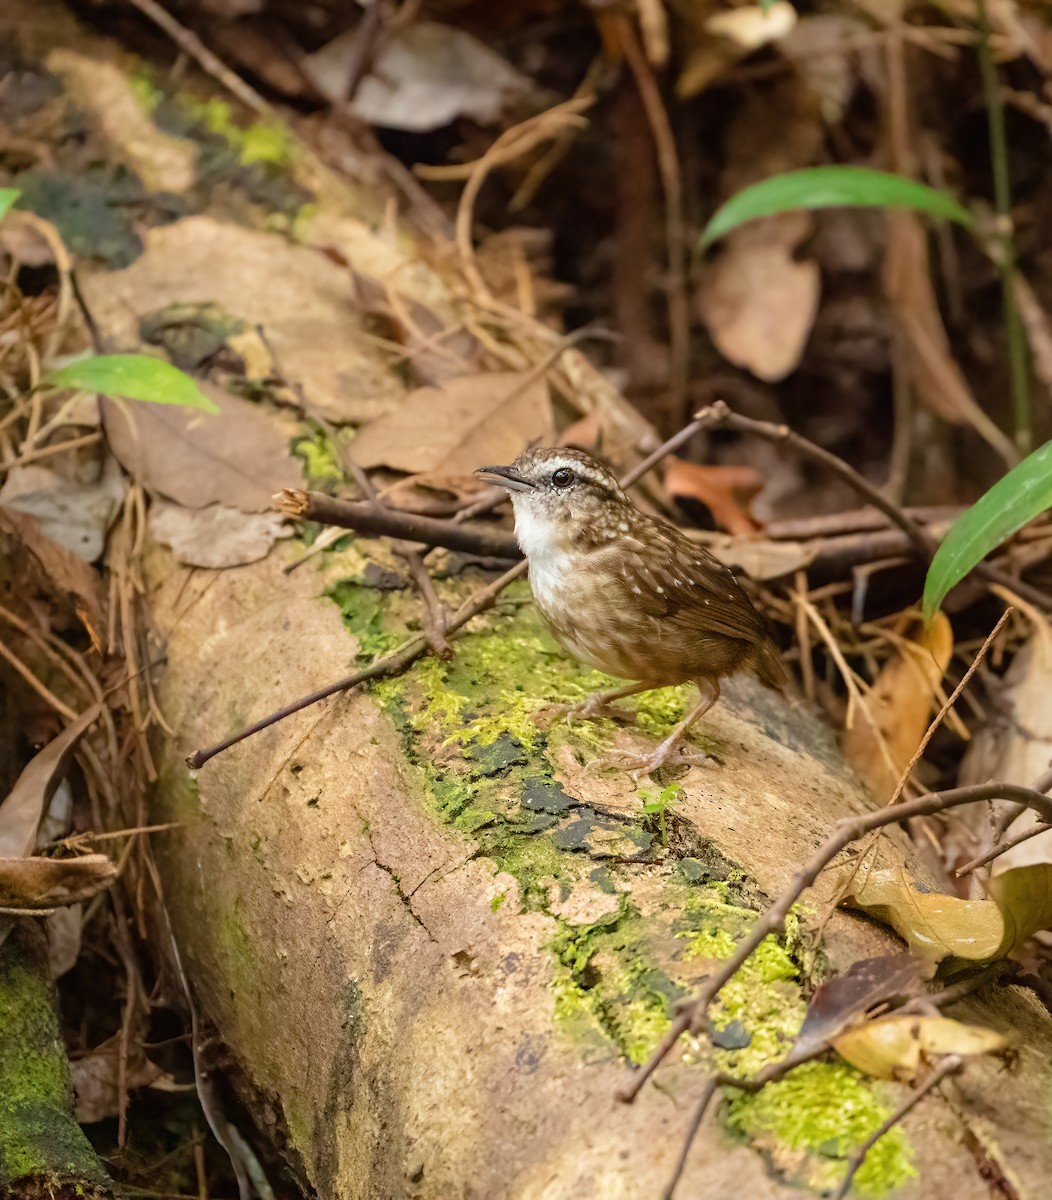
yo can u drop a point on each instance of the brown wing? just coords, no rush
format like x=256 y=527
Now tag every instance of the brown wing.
x=669 y=577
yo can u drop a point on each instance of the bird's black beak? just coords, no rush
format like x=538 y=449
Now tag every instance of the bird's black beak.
x=505 y=477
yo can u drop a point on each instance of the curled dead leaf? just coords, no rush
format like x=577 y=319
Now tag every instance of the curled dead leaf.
x=897 y=1047
x=889 y=726
x=452 y=429
x=936 y=926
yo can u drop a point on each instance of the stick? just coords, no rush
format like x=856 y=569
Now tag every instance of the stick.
x=366 y=518
x=1004 y=847
x=948 y=1066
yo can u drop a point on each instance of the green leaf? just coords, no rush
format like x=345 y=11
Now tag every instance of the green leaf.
x=7 y=198
x=133 y=376
x=831 y=187
x=1023 y=494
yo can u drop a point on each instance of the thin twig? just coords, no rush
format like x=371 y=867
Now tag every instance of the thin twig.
x=1003 y=848
x=700 y=1109
x=191 y=45
x=434 y=613
x=948 y=1066
x=412 y=649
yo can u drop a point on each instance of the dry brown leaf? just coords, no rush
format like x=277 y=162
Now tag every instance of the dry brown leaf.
x=935 y=374
x=889 y=726
x=725 y=491
x=759 y=302
x=97 y=1079
x=937 y=926
x=303 y=300
x=238 y=457
x=216 y=536
x=64 y=927
x=52 y=882
x=38 y=564
x=761 y=558
x=467 y=423
x=897 y=1047
x=25 y=805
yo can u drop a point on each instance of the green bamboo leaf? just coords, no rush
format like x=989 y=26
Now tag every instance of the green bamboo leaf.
x=7 y=197
x=831 y=187
x=1023 y=494
x=133 y=376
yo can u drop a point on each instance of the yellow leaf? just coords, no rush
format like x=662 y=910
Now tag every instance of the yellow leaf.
x=894 y=1047
x=937 y=926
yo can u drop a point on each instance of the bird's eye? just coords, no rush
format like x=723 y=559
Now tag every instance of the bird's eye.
x=563 y=477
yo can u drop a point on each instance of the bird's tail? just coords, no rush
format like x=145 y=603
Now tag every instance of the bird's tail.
x=769 y=666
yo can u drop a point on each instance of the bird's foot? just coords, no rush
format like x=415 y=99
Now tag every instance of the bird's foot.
x=668 y=754
x=586 y=710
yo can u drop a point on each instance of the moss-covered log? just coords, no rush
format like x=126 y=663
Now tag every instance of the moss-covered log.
x=437 y=940
x=43 y=1152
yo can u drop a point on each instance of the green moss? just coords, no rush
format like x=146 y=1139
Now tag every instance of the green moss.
x=38 y=1135
x=822 y=1112
x=320 y=458
x=364 y=614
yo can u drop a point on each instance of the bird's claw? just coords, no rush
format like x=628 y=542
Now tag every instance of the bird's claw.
x=638 y=765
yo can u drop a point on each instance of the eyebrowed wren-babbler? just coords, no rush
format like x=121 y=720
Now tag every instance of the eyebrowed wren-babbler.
x=628 y=594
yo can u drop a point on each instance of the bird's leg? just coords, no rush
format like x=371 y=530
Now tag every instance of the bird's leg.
x=668 y=753
x=596 y=705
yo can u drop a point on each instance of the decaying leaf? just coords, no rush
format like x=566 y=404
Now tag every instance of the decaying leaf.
x=239 y=457
x=303 y=300
x=97 y=1079
x=64 y=928
x=37 y=882
x=889 y=727
x=844 y=1000
x=937 y=926
x=216 y=536
x=75 y=515
x=466 y=423
x=35 y=563
x=724 y=490
x=758 y=301
x=21 y=812
x=896 y=1047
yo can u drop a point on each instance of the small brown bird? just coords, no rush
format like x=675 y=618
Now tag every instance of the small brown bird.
x=630 y=595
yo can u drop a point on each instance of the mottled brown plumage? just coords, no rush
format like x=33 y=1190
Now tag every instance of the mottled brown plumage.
x=628 y=594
